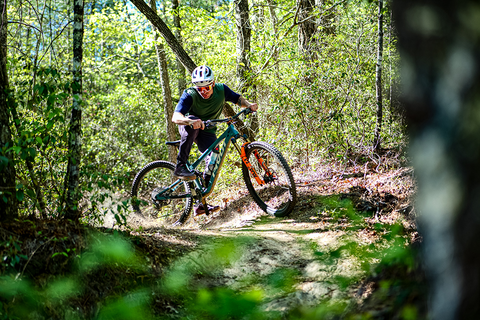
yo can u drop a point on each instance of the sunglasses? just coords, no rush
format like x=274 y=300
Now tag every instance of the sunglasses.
x=204 y=90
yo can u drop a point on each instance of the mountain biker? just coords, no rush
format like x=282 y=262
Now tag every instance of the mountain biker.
x=204 y=101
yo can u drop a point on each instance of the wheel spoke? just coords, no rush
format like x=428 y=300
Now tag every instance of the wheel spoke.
x=278 y=194
x=153 y=179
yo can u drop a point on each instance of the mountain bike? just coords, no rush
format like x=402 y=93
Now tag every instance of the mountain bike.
x=269 y=180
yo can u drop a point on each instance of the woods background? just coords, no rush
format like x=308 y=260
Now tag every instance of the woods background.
x=323 y=73
x=87 y=90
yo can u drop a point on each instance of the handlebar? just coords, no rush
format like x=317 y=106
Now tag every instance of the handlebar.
x=213 y=123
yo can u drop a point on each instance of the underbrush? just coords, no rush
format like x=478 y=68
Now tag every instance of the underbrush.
x=108 y=274
x=53 y=269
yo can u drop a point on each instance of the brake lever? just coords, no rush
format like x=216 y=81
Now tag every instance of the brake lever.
x=209 y=124
x=249 y=111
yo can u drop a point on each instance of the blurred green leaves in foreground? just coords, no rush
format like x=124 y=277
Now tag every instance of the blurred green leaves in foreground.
x=113 y=280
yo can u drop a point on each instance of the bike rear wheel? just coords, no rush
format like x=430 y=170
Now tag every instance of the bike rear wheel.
x=276 y=194
x=148 y=182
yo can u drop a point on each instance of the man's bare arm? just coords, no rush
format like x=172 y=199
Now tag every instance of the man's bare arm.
x=180 y=119
x=246 y=104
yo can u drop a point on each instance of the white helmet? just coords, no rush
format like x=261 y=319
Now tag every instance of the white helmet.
x=202 y=76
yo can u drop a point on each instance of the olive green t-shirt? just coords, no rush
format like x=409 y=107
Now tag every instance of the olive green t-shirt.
x=191 y=103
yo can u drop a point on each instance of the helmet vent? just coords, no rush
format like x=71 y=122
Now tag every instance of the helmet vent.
x=202 y=76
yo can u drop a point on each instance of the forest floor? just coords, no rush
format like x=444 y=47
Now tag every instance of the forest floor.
x=344 y=250
x=313 y=246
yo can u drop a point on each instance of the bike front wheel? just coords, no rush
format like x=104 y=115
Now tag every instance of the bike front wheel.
x=273 y=189
x=151 y=180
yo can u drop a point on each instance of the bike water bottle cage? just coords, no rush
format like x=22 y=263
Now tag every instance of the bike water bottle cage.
x=212 y=160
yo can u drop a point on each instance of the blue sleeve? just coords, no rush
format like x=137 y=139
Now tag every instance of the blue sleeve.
x=230 y=95
x=184 y=104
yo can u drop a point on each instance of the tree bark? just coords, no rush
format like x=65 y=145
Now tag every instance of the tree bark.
x=8 y=199
x=378 y=79
x=440 y=57
x=273 y=15
x=244 y=33
x=72 y=178
x=182 y=83
x=167 y=93
x=306 y=25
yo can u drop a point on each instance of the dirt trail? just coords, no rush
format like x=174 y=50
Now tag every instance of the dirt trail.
x=320 y=253
x=261 y=246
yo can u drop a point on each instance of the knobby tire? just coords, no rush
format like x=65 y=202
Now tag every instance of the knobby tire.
x=156 y=176
x=278 y=195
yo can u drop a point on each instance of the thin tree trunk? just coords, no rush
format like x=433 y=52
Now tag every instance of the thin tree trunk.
x=8 y=199
x=274 y=21
x=244 y=35
x=182 y=83
x=273 y=16
x=167 y=93
x=75 y=131
x=378 y=80
x=306 y=26
x=166 y=33
x=16 y=121
x=243 y=41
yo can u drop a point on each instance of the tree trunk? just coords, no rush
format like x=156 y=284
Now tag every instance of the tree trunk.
x=182 y=83
x=183 y=56
x=72 y=178
x=440 y=56
x=243 y=41
x=167 y=93
x=8 y=199
x=273 y=16
x=306 y=25
x=244 y=35
x=378 y=79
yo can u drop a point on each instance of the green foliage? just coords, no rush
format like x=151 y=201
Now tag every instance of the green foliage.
x=320 y=104
x=11 y=253
x=191 y=287
x=21 y=299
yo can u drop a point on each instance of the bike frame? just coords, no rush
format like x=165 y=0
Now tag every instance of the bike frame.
x=223 y=142
x=230 y=135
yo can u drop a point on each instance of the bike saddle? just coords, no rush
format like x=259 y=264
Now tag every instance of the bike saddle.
x=175 y=143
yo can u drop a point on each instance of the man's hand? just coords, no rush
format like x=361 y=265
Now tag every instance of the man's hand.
x=197 y=124
x=253 y=106
x=180 y=119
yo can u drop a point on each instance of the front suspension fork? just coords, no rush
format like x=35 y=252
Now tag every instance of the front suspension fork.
x=251 y=169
